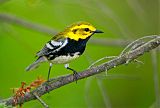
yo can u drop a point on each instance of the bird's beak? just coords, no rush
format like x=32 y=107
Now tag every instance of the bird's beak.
x=98 y=31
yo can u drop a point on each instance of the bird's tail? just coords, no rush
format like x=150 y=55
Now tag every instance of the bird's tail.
x=36 y=63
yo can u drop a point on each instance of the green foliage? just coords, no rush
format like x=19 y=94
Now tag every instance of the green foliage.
x=128 y=86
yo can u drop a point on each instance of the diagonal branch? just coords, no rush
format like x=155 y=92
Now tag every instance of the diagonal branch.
x=8 y=18
x=58 y=82
x=40 y=100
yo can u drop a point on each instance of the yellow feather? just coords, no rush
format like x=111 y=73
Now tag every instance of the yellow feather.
x=76 y=31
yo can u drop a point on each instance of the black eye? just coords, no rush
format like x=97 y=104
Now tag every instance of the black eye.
x=74 y=31
x=86 y=29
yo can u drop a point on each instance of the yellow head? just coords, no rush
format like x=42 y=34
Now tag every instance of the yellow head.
x=80 y=30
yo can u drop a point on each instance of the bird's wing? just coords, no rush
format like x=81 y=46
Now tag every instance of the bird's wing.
x=52 y=46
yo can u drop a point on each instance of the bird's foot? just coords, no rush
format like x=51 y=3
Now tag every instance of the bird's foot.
x=75 y=76
x=48 y=85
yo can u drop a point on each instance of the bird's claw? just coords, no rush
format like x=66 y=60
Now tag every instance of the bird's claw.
x=75 y=76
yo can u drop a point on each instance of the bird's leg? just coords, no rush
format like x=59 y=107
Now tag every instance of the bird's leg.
x=75 y=74
x=50 y=66
x=47 y=83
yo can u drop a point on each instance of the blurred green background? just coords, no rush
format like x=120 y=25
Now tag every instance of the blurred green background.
x=128 y=86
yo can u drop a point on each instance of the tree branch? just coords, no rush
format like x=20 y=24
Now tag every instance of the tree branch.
x=109 y=42
x=8 y=18
x=40 y=100
x=155 y=65
x=58 y=82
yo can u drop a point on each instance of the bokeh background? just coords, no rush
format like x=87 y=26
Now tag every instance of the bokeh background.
x=128 y=86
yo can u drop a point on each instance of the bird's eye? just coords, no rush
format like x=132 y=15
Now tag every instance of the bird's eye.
x=86 y=29
x=74 y=31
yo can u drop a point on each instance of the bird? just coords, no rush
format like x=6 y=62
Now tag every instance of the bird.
x=65 y=46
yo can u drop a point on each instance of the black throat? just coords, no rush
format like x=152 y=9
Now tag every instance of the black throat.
x=76 y=46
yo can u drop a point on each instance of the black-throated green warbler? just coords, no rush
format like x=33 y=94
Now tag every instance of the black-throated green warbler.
x=65 y=46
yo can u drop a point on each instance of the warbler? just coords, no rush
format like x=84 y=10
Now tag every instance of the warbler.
x=65 y=46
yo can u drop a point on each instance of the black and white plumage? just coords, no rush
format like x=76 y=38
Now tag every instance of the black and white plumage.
x=59 y=52
x=65 y=46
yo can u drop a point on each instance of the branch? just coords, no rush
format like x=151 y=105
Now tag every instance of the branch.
x=109 y=42
x=27 y=24
x=40 y=100
x=58 y=82
x=155 y=65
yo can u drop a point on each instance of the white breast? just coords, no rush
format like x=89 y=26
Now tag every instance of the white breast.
x=65 y=59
